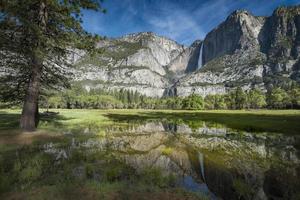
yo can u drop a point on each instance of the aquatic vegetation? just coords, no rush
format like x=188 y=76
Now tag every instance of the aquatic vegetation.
x=154 y=176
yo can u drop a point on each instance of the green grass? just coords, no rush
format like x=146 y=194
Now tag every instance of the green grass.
x=28 y=172
x=280 y=121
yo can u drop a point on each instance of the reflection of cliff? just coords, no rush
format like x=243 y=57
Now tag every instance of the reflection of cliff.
x=251 y=181
x=175 y=162
x=149 y=127
x=219 y=180
x=282 y=182
x=235 y=169
x=157 y=150
x=231 y=168
x=233 y=165
x=153 y=151
x=246 y=145
x=200 y=127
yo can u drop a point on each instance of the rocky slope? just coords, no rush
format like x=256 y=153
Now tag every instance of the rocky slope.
x=244 y=50
x=136 y=62
x=248 y=51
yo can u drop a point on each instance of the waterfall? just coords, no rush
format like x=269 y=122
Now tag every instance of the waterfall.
x=200 y=56
x=201 y=166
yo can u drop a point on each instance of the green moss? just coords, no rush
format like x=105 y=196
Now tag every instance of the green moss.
x=167 y=151
x=244 y=190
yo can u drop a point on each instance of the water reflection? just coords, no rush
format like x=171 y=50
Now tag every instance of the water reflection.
x=211 y=158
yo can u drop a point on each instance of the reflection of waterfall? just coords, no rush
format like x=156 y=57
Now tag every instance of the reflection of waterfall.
x=201 y=165
x=200 y=56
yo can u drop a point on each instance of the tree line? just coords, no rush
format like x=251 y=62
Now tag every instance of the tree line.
x=79 y=98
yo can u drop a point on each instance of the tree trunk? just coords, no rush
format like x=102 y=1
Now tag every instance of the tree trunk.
x=29 y=118
x=30 y=113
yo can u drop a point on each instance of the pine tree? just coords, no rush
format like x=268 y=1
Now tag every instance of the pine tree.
x=256 y=99
x=193 y=102
x=278 y=98
x=240 y=98
x=37 y=38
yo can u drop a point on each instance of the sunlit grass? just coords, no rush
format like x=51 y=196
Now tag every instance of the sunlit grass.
x=284 y=121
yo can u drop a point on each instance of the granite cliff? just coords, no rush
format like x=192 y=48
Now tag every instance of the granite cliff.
x=244 y=50
x=143 y=61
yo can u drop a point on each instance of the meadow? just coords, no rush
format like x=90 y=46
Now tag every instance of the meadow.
x=48 y=164
x=283 y=121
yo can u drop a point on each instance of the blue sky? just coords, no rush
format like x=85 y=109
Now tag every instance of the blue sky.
x=181 y=20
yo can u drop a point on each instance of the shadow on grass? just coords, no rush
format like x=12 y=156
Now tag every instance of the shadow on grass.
x=287 y=124
x=11 y=136
x=10 y=121
x=53 y=120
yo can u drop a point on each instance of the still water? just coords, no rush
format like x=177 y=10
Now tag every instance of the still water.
x=209 y=158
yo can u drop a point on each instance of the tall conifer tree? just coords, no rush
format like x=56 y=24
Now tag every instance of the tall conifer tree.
x=37 y=39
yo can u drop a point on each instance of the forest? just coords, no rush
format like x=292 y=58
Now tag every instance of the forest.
x=79 y=98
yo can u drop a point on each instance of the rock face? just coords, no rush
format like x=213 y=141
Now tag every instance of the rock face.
x=240 y=31
x=248 y=51
x=281 y=33
x=245 y=50
x=142 y=62
x=187 y=61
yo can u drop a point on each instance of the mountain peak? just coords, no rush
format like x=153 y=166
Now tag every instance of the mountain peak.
x=239 y=13
x=147 y=34
x=290 y=10
x=196 y=43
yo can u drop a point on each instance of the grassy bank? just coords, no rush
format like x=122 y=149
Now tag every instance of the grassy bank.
x=281 y=121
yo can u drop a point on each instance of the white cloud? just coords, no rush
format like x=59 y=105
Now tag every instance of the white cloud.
x=172 y=21
x=181 y=20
